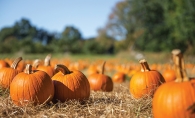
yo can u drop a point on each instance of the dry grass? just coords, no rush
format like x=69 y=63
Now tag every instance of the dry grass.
x=118 y=103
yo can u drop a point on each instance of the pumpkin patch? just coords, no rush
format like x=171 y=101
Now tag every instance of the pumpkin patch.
x=95 y=87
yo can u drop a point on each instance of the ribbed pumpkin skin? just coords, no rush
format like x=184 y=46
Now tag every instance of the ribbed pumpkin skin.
x=71 y=86
x=8 y=73
x=169 y=75
x=6 y=76
x=100 y=82
x=145 y=83
x=3 y=64
x=36 y=87
x=172 y=99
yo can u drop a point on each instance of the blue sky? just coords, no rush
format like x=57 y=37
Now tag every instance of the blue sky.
x=85 y=15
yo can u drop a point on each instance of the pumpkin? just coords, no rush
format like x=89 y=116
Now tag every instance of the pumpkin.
x=31 y=87
x=36 y=63
x=100 y=81
x=70 y=84
x=92 y=69
x=119 y=77
x=169 y=75
x=21 y=66
x=8 y=73
x=47 y=67
x=175 y=99
x=3 y=63
x=145 y=82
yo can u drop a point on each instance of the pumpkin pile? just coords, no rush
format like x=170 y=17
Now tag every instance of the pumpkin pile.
x=40 y=84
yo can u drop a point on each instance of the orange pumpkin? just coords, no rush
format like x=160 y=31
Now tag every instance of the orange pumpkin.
x=119 y=77
x=100 y=81
x=3 y=63
x=145 y=82
x=70 y=84
x=30 y=86
x=169 y=75
x=47 y=67
x=175 y=99
x=8 y=73
x=35 y=64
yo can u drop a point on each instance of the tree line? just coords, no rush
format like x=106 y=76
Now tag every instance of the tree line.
x=26 y=38
x=144 y=25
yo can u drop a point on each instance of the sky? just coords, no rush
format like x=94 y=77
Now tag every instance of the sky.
x=85 y=15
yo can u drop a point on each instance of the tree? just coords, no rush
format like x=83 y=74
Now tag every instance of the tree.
x=69 y=37
x=44 y=37
x=180 y=19
x=24 y=29
x=7 y=32
x=70 y=33
x=154 y=25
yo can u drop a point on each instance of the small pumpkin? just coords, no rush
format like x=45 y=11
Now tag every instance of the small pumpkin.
x=100 y=81
x=92 y=69
x=8 y=73
x=145 y=82
x=169 y=75
x=3 y=63
x=47 y=67
x=31 y=87
x=119 y=77
x=175 y=99
x=70 y=84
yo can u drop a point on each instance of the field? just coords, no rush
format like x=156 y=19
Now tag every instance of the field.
x=100 y=104
x=115 y=104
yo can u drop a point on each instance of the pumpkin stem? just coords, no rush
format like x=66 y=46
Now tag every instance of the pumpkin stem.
x=103 y=67
x=36 y=63
x=62 y=68
x=15 y=63
x=179 y=66
x=28 y=69
x=144 y=65
x=47 y=60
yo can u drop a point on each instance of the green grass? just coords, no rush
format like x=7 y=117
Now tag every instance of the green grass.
x=126 y=56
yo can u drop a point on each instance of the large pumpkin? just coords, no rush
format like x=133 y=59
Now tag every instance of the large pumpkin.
x=8 y=73
x=175 y=99
x=70 y=84
x=47 y=67
x=100 y=81
x=34 y=87
x=145 y=82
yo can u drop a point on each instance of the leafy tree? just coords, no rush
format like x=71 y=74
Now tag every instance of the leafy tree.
x=44 y=37
x=154 y=25
x=180 y=19
x=24 y=29
x=7 y=32
x=69 y=36
x=70 y=33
